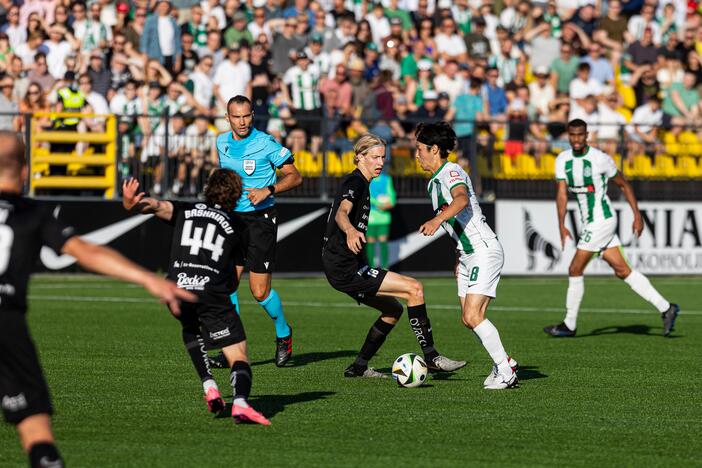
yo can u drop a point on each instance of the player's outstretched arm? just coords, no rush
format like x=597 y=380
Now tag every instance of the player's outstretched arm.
x=354 y=238
x=628 y=192
x=136 y=201
x=108 y=262
x=460 y=201
x=561 y=206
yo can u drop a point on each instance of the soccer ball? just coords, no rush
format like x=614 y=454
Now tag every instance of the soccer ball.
x=409 y=370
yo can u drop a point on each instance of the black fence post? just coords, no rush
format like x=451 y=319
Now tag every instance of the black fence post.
x=28 y=148
x=622 y=147
x=166 y=165
x=325 y=149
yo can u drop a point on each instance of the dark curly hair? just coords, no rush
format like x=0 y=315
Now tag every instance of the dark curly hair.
x=223 y=188
x=437 y=133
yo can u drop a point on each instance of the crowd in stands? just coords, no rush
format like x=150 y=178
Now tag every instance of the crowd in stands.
x=321 y=72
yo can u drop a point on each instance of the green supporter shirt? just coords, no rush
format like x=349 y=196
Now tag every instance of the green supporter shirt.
x=566 y=72
x=233 y=35
x=403 y=15
x=381 y=187
x=689 y=97
x=408 y=67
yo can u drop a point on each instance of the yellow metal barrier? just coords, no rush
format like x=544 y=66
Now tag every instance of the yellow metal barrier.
x=79 y=169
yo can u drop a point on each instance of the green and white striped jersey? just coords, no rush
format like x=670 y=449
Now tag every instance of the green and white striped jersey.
x=304 y=89
x=468 y=228
x=587 y=176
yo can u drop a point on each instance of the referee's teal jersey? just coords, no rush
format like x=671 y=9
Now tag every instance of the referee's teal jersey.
x=255 y=159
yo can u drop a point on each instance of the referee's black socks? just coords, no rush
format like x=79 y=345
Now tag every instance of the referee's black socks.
x=419 y=321
x=374 y=340
x=43 y=455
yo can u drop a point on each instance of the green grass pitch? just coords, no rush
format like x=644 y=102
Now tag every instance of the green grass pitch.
x=617 y=394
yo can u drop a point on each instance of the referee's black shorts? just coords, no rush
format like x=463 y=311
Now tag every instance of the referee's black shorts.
x=23 y=389
x=259 y=233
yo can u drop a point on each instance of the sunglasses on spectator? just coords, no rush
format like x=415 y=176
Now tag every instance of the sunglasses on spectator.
x=33 y=91
x=84 y=81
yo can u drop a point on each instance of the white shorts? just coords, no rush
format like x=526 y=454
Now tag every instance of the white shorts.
x=599 y=235
x=479 y=272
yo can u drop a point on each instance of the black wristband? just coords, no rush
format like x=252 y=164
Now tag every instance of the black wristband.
x=272 y=189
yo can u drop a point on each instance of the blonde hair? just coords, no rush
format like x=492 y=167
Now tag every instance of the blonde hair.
x=365 y=143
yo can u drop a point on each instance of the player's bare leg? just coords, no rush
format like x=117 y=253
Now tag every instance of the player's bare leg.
x=503 y=374
x=574 y=296
x=642 y=286
x=37 y=440
x=241 y=378
x=412 y=291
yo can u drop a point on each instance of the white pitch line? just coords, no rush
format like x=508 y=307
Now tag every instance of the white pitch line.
x=349 y=305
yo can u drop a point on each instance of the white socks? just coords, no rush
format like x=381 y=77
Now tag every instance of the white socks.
x=490 y=338
x=574 y=296
x=241 y=402
x=208 y=384
x=643 y=287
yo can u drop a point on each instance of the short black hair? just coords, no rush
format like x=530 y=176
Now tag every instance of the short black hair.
x=239 y=99
x=584 y=66
x=577 y=123
x=437 y=133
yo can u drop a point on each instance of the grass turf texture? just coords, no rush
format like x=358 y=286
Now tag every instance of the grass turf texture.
x=618 y=394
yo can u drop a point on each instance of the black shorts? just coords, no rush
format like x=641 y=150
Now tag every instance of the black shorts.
x=259 y=233
x=310 y=121
x=218 y=321
x=360 y=284
x=23 y=389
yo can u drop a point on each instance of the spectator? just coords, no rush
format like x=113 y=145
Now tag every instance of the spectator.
x=58 y=50
x=426 y=35
x=8 y=105
x=238 y=32
x=390 y=60
x=638 y=24
x=468 y=109
x=449 y=43
x=600 y=68
x=612 y=29
x=564 y=69
x=200 y=156
x=195 y=27
x=27 y=51
x=35 y=101
x=19 y=78
x=40 y=73
x=671 y=71
x=581 y=87
x=416 y=89
x=543 y=46
x=259 y=25
x=429 y=111
x=370 y=61
x=189 y=58
x=643 y=129
x=681 y=104
x=338 y=90
x=100 y=76
x=135 y=29
x=587 y=111
x=320 y=59
x=450 y=81
x=285 y=43
x=642 y=51
x=212 y=10
x=611 y=123
x=232 y=77
x=16 y=33
x=303 y=95
x=394 y=11
x=379 y=23
x=160 y=39
x=410 y=64
x=541 y=92
x=644 y=83
x=496 y=100
x=477 y=44
x=214 y=49
x=506 y=62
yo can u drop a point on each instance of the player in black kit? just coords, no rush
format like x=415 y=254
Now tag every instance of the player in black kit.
x=347 y=270
x=26 y=225
x=202 y=260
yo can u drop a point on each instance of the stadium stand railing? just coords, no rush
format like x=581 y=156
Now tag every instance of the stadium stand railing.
x=174 y=161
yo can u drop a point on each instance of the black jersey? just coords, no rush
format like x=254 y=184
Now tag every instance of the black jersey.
x=25 y=226
x=338 y=259
x=203 y=250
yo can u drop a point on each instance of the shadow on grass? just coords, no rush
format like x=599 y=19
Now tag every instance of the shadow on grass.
x=303 y=359
x=530 y=372
x=270 y=405
x=626 y=329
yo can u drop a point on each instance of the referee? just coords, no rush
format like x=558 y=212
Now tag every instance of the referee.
x=25 y=226
x=256 y=156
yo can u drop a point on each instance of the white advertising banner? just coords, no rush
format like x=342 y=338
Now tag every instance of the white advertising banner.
x=671 y=242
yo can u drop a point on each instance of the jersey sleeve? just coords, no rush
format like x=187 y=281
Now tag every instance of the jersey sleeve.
x=453 y=176
x=54 y=232
x=607 y=165
x=351 y=189
x=560 y=168
x=278 y=154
